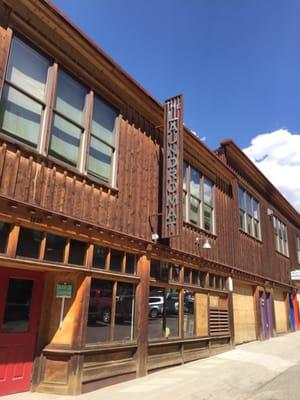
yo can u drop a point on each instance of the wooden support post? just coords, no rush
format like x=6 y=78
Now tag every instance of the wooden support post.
x=142 y=311
x=257 y=312
x=231 y=317
x=13 y=241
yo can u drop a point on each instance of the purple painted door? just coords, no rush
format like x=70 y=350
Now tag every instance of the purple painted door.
x=269 y=309
x=264 y=333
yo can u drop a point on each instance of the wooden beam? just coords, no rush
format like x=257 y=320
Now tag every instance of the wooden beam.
x=142 y=312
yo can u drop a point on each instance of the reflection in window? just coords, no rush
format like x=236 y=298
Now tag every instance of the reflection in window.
x=249 y=213
x=197 y=198
x=55 y=248
x=99 y=256
x=116 y=260
x=163 y=313
x=23 y=96
x=175 y=272
x=130 y=263
x=189 y=316
x=68 y=118
x=187 y=275
x=29 y=243
x=155 y=269
x=124 y=320
x=17 y=305
x=77 y=252
x=4 y=233
x=99 y=314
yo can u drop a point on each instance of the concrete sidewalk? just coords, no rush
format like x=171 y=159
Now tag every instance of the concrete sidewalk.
x=267 y=370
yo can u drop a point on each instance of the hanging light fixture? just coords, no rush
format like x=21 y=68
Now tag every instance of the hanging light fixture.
x=206 y=244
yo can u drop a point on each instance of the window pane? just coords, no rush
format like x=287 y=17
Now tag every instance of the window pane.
x=195 y=211
x=202 y=278
x=208 y=226
x=100 y=159
x=124 y=320
x=17 y=306
x=65 y=140
x=27 y=69
x=130 y=263
x=175 y=273
x=116 y=260
x=249 y=204
x=189 y=317
x=164 y=271
x=77 y=252
x=208 y=192
x=255 y=209
x=211 y=280
x=70 y=98
x=29 y=243
x=195 y=183
x=256 y=229
x=241 y=198
x=242 y=220
x=184 y=172
x=195 y=277
x=4 y=232
x=99 y=256
x=99 y=315
x=104 y=119
x=155 y=269
x=171 y=315
x=55 y=248
x=184 y=200
x=20 y=116
x=186 y=274
x=156 y=306
x=249 y=224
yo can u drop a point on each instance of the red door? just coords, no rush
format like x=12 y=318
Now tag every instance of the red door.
x=20 y=302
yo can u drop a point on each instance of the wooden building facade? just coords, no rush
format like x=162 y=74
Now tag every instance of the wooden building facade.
x=90 y=293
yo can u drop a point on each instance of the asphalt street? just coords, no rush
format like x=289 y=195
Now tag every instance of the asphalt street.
x=267 y=370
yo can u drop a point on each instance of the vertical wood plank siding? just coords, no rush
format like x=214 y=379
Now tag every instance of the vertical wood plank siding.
x=126 y=210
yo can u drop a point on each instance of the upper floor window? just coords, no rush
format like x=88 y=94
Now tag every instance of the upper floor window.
x=82 y=126
x=249 y=214
x=24 y=93
x=198 y=202
x=298 y=248
x=281 y=239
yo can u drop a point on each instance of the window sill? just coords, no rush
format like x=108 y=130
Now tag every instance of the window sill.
x=282 y=255
x=50 y=161
x=200 y=230
x=250 y=236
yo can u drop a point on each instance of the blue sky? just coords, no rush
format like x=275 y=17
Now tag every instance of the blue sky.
x=237 y=62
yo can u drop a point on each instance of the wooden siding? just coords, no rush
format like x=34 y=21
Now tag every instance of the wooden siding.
x=281 y=317
x=126 y=210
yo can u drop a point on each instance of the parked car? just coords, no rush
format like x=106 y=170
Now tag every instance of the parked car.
x=156 y=306
x=100 y=306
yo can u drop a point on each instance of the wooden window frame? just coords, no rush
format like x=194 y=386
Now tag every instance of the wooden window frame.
x=280 y=236
x=48 y=111
x=247 y=215
x=187 y=200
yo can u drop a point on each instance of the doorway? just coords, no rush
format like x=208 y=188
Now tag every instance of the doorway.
x=20 y=303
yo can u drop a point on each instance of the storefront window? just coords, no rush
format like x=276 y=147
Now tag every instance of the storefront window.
x=4 y=232
x=77 y=252
x=189 y=316
x=99 y=256
x=29 y=243
x=103 y=310
x=55 y=248
x=116 y=260
x=124 y=319
x=130 y=263
x=99 y=314
x=163 y=313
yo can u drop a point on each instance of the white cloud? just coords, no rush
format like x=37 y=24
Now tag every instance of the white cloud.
x=277 y=155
